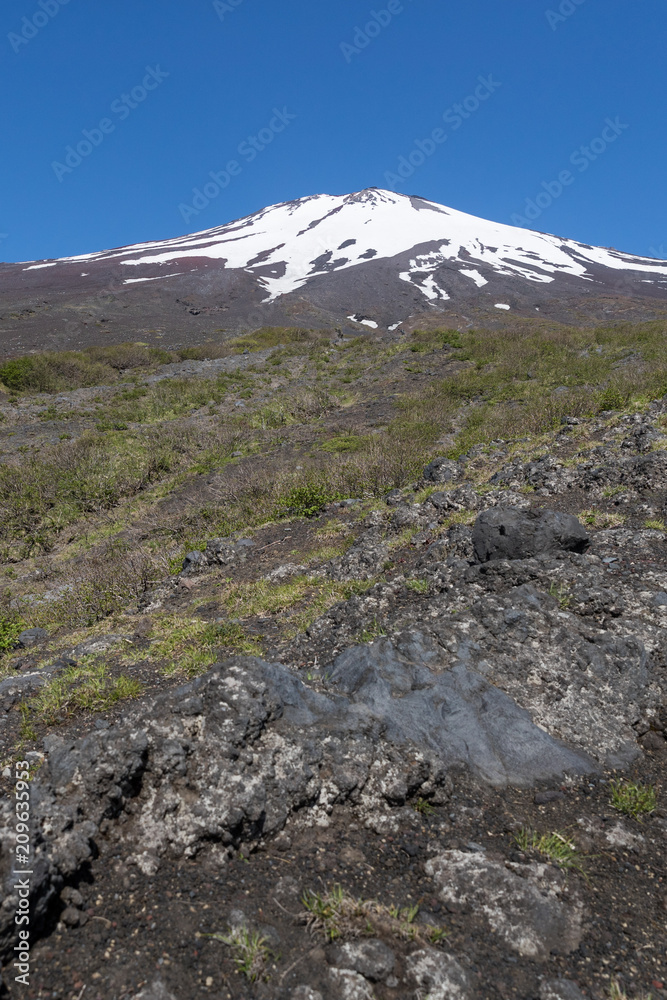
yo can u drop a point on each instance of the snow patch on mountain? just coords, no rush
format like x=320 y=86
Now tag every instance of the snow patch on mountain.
x=287 y=245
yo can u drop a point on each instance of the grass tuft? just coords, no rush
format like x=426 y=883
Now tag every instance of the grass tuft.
x=250 y=951
x=555 y=846
x=335 y=913
x=633 y=798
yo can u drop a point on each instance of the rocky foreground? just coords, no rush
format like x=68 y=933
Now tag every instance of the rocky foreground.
x=451 y=785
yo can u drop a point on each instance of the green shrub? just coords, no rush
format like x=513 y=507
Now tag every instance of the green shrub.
x=611 y=399
x=57 y=371
x=308 y=500
x=10 y=629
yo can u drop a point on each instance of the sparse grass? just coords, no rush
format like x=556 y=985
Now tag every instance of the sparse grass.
x=423 y=807
x=250 y=951
x=655 y=524
x=335 y=913
x=418 y=586
x=633 y=798
x=300 y=600
x=601 y=519
x=555 y=846
x=85 y=688
x=375 y=631
x=561 y=593
x=616 y=993
x=332 y=529
x=249 y=600
x=509 y=382
x=188 y=645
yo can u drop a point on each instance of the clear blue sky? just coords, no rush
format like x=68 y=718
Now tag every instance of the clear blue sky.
x=554 y=80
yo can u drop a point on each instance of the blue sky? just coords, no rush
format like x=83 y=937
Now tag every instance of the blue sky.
x=286 y=99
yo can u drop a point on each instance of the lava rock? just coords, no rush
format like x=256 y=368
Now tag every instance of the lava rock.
x=350 y=985
x=455 y=713
x=506 y=533
x=439 y=973
x=522 y=905
x=157 y=991
x=32 y=637
x=441 y=470
x=542 y=798
x=372 y=958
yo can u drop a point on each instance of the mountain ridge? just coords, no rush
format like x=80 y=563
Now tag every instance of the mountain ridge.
x=319 y=261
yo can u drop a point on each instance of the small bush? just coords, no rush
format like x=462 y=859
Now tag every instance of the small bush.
x=308 y=500
x=611 y=399
x=10 y=629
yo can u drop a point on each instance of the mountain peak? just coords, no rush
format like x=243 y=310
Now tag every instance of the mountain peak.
x=371 y=253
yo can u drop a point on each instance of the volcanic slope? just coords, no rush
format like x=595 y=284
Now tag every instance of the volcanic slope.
x=338 y=668
x=372 y=259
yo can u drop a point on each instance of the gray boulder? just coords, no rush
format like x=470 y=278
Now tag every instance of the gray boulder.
x=441 y=470
x=32 y=637
x=439 y=973
x=507 y=533
x=372 y=958
x=523 y=904
x=454 y=713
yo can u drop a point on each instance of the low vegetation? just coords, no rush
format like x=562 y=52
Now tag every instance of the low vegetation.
x=88 y=687
x=556 y=846
x=250 y=951
x=335 y=913
x=633 y=798
x=72 y=506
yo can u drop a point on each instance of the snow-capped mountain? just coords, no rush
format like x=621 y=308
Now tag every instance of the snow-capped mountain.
x=374 y=258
